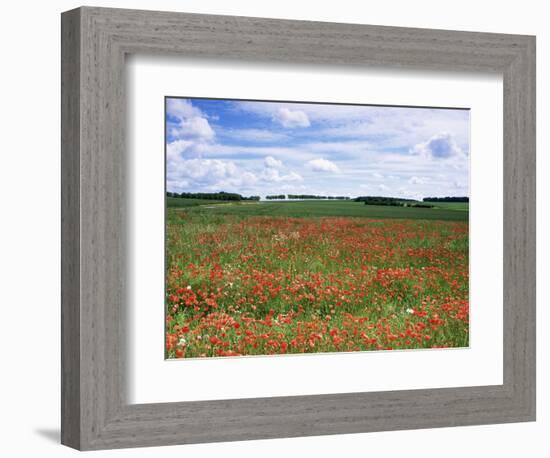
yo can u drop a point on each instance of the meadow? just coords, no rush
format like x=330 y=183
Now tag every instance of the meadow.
x=448 y=211
x=173 y=202
x=262 y=278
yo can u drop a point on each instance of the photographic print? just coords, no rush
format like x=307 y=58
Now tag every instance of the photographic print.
x=296 y=227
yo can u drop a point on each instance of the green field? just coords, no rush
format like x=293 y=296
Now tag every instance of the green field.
x=178 y=202
x=319 y=208
x=262 y=278
x=460 y=206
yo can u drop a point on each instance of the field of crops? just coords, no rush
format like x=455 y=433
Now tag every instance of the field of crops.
x=184 y=203
x=317 y=208
x=299 y=277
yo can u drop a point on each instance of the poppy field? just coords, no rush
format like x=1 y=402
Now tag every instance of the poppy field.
x=249 y=280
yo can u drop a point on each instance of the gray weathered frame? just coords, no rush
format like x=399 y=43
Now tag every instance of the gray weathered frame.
x=95 y=414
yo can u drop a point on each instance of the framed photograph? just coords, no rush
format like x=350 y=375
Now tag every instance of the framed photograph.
x=298 y=228
x=277 y=228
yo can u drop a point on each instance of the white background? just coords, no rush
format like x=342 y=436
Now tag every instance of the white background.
x=150 y=79
x=30 y=245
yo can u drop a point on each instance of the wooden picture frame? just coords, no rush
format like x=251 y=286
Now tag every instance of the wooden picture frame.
x=95 y=412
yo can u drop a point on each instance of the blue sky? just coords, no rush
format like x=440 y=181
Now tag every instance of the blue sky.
x=261 y=148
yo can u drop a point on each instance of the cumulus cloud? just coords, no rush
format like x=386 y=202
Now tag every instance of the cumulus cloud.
x=323 y=165
x=272 y=163
x=177 y=185
x=255 y=135
x=271 y=175
x=214 y=174
x=440 y=146
x=219 y=175
x=417 y=180
x=175 y=149
x=196 y=127
x=191 y=123
x=385 y=127
x=292 y=176
x=320 y=148
x=192 y=135
x=408 y=194
x=181 y=108
x=291 y=118
x=206 y=169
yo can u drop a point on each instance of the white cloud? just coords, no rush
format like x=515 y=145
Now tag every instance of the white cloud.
x=257 y=135
x=177 y=185
x=175 y=149
x=212 y=174
x=195 y=127
x=181 y=108
x=417 y=180
x=291 y=118
x=385 y=127
x=271 y=173
x=292 y=176
x=198 y=174
x=323 y=165
x=408 y=194
x=440 y=146
x=192 y=123
x=272 y=163
x=273 y=176
x=207 y=169
x=352 y=149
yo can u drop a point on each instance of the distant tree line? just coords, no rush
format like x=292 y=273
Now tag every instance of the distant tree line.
x=391 y=201
x=312 y=196
x=212 y=196
x=380 y=200
x=446 y=199
x=419 y=205
x=368 y=200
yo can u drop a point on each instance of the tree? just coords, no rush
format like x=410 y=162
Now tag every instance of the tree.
x=446 y=199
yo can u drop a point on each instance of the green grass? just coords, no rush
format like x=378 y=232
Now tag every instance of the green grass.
x=315 y=208
x=460 y=206
x=177 y=202
x=249 y=282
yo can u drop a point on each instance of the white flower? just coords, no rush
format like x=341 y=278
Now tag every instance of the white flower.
x=410 y=310
x=182 y=342
x=188 y=287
